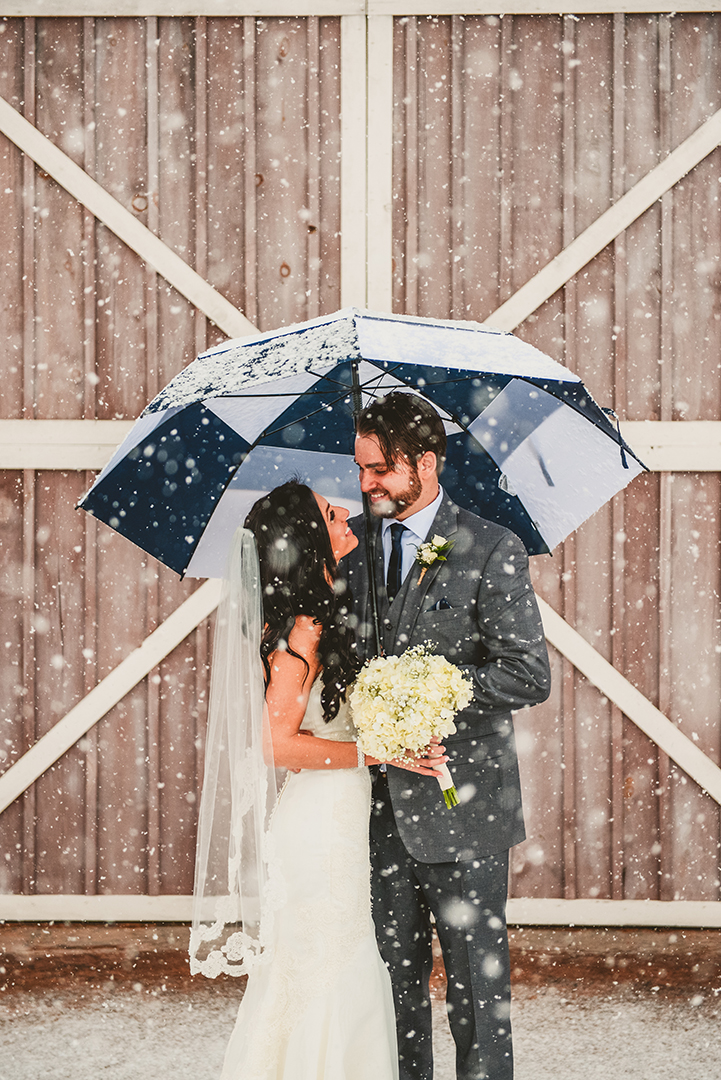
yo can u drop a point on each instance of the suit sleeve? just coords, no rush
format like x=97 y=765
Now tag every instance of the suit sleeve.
x=514 y=671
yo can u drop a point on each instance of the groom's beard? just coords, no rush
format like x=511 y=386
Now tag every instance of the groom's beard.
x=390 y=507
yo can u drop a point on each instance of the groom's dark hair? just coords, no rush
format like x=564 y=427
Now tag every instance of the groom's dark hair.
x=405 y=425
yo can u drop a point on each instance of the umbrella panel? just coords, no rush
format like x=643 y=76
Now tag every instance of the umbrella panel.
x=163 y=493
x=323 y=425
x=562 y=467
x=188 y=525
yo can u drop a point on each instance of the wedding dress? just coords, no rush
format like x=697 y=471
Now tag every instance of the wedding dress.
x=318 y=1004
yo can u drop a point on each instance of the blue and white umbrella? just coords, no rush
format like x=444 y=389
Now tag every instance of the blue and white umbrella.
x=528 y=447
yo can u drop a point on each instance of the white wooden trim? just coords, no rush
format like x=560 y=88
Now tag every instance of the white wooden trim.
x=607 y=227
x=677 y=446
x=180 y=8
x=698 y=914
x=46 y=751
x=379 y=165
x=533 y=7
x=69 y=907
x=542 y=912
x=132 y=232
x=680 y=747
x=299 y=8
x=60 y=444
x=198 y=606
x=353 y=161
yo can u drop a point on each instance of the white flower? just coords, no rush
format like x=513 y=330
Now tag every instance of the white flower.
x=400 y=702
x=432 y=551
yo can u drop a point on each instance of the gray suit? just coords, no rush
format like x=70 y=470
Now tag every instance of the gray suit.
x=479 y=610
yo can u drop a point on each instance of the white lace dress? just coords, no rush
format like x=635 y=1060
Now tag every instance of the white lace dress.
x=319 y=1006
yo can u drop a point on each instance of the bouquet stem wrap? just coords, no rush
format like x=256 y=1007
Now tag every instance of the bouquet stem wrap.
x=450 y=795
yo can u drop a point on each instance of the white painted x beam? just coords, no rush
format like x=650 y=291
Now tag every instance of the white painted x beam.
x=132 y=232
x=201 y=604
x=608 y=226
x=631 y=701
x=112 y=689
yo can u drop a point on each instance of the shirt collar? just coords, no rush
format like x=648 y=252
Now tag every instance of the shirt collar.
x=420 y=523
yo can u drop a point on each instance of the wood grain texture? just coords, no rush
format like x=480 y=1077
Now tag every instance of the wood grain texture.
x=222 y=136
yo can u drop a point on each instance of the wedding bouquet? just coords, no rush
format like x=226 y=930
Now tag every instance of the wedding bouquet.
x=400 y=702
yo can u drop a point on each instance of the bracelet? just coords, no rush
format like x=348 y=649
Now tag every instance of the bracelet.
x=361 y=755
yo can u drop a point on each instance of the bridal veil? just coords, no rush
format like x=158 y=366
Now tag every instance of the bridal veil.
x=233 y=894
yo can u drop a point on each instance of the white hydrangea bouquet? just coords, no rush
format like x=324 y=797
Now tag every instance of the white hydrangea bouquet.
x=400 y=702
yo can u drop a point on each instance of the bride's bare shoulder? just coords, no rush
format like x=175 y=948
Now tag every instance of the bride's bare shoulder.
x=302 y=649
x=305 y=635
x=301 y=656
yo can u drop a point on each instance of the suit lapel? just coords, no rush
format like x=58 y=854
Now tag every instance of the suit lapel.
x=404 y=611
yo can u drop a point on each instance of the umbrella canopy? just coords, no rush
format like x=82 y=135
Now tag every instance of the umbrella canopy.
x=528 y=447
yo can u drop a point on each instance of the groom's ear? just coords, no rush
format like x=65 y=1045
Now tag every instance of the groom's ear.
x=427 y=465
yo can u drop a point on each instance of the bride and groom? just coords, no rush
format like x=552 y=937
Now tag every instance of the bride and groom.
x=339 y=992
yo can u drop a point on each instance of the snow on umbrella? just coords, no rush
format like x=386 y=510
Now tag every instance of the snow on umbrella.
x=528 y=447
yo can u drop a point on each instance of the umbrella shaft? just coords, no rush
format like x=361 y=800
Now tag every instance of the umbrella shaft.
x=367 y=521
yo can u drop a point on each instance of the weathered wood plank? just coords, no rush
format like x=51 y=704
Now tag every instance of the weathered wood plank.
x=112 y=689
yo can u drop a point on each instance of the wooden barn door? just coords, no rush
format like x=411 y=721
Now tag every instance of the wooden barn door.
x=167 y=180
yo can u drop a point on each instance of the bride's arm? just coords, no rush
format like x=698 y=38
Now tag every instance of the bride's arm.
x=287 y=700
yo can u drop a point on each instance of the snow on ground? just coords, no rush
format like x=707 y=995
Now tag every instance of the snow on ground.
x=122 y=1033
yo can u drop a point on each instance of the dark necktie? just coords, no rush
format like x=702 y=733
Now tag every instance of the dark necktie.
x=395 y=579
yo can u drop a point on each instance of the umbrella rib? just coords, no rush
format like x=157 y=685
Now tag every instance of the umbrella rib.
x=454 y=417
x=368 y=385
x=334 y=401
x=329 y=404
x=276 y=431
x=305 y=393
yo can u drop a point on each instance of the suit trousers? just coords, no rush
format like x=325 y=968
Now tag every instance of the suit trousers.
x=468 y=903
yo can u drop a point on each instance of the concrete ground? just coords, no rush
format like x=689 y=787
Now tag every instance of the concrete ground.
x=604 y=1006
x=127 y=1034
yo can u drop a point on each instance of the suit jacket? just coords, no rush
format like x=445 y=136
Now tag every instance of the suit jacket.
x=479 y=609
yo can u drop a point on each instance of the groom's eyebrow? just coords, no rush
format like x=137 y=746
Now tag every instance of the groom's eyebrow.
x=372 y=465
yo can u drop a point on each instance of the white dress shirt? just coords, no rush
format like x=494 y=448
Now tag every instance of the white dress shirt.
x=417 y=528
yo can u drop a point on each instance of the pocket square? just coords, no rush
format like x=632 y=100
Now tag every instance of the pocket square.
x=440 y=605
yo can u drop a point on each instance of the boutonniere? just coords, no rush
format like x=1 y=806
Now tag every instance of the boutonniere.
x=435 y=550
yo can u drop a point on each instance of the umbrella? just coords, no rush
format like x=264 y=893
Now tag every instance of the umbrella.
x=528 y=447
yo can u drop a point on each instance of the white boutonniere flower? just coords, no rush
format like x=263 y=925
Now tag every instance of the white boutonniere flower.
x=435 y=550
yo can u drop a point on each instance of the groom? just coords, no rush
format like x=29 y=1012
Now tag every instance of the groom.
x=431 y=863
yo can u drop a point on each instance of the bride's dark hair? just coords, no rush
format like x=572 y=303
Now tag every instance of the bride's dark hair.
x=298 y=574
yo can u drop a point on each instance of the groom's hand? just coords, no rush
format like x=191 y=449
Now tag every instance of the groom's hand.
x=426 y=762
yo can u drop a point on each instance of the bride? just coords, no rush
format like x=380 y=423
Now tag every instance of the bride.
x=293 y=869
